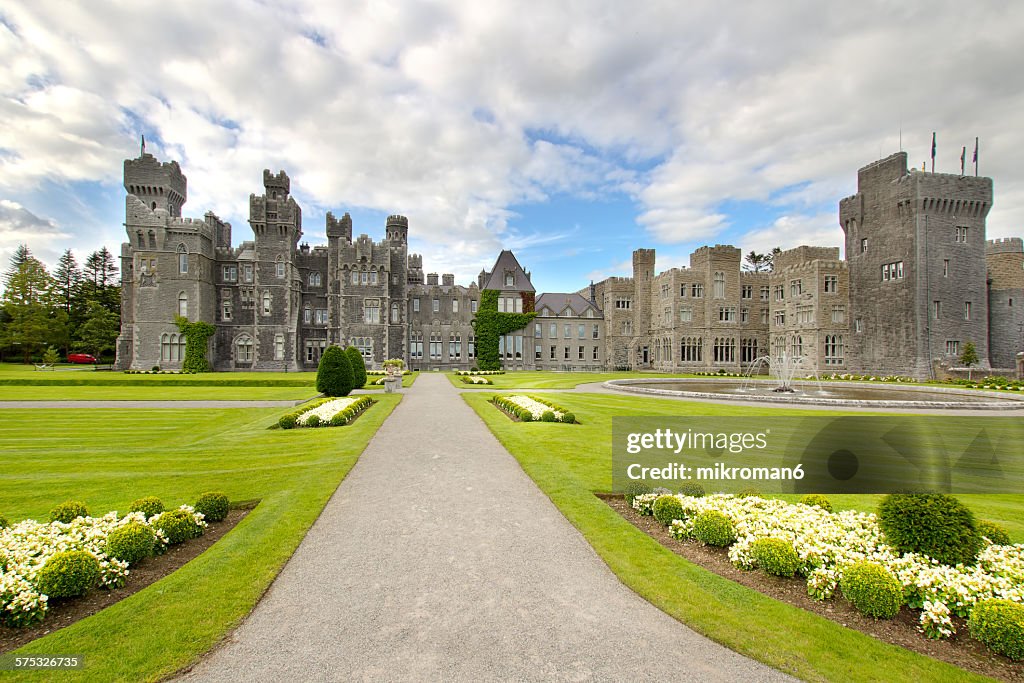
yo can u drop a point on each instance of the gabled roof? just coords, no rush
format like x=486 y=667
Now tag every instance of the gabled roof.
x=557 y=302
x=507 y=262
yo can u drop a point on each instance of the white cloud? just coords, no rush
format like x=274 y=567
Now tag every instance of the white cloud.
x=18 y=226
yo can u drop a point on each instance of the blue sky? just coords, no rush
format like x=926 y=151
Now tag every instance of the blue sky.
x=571 y=132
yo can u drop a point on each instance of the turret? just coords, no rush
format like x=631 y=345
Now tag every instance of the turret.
x=277 y=185
x=397 y=229
x=341 y=229
x=157 y=185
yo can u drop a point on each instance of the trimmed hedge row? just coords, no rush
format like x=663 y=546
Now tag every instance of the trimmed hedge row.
x=526 y=416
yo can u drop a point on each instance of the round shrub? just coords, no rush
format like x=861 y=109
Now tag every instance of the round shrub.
x=287 y=421
x=872 y=590
x=713 y=528
x=633 y=489
x=214 y=506
x=312 y=421
x=667 y=508
x=68 y=574
x=358 y=365
x=775 y=556
x=990 y=530
x=692 y=489
x=749 y=492
x=68 y=511
x=155 y=368
x=3 y=522
x=334 y=374
x=338 y=420
x=999 y=624
x=151 y=506
x=178 y=526
x=934 y=524
x=568 y=418
x=817 y=500
x=547 y=416
x=131 y=542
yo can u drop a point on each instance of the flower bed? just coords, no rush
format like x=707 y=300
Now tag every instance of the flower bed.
x=475 y=380
x=479 y=372
x=532 y=409
x=827 y=544
x=379 y=373
x=26 y=546
x=326 y=412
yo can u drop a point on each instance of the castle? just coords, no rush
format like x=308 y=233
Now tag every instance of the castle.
x=919 y=281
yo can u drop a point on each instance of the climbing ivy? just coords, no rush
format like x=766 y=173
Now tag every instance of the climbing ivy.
x=197 y=335
x=489 y=324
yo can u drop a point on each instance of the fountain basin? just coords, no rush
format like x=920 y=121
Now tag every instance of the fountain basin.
x=849 y=394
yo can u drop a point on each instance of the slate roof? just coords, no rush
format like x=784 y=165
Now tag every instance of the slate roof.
x=557 y=301
x=507 y=261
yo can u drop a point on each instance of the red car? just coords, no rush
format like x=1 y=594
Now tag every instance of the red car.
x=82 y=358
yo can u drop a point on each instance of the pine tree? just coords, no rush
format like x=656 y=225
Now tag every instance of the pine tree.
x=34 y=317
x=21 y=255
x=99 y=331
x=68 y=276
x=107 y=267
x=969 y=357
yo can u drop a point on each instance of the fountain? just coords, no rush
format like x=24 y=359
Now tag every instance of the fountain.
x=783 y=370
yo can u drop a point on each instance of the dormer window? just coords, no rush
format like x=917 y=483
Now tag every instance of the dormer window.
x=510 y=279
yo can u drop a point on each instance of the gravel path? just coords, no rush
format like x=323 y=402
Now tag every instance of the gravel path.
x=439 y=559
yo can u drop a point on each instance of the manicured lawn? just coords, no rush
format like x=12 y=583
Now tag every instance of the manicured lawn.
x=108 y=458
x=153 y=391
x=570 y=462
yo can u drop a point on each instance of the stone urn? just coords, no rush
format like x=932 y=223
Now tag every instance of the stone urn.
x=392 y=379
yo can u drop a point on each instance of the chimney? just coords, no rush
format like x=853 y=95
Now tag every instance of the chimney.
x=432 y=279
x=448 y=280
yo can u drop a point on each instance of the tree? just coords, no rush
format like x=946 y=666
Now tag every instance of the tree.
x=99 y=331
x=770 y=258
x=334 y=374
x=67 y=276
x=757 y=262
x=20 y=256
x=34 y=318
x=355 y=360
x=969 y=357
x=100 y=268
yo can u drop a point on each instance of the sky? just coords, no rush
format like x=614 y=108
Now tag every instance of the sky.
x=570 y=132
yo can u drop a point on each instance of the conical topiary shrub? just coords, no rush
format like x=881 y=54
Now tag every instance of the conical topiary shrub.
x=355 y=359
x=334 y=374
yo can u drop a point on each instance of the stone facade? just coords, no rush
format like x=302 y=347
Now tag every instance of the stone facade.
x=918 y=283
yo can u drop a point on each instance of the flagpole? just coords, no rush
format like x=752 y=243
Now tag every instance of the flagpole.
x=963 y=160
x=975 y=157
x=933 y=151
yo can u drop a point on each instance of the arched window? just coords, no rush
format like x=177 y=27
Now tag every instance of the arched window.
x=266 y=303
x=165 y=347
x=394 y=313
x=182 y=259
x=182 y=304
x=280 y=267
x=180 y=355
x=243 y=349
x=719 y=285
x=355 y=276
x=314 y=280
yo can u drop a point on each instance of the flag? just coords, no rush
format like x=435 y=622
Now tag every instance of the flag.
x=963 y=159
x=975 y=159
x=933 y=146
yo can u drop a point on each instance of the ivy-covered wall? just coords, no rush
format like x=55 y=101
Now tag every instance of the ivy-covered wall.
x=489 y=324
x=197 y=336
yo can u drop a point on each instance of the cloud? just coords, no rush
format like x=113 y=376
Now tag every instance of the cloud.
x=791 y=231
x=18 y=226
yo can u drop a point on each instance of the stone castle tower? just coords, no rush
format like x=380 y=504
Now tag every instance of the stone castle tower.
x=915 y=243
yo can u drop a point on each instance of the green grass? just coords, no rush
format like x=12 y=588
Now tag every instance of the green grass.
x=154 y=392
x=176 y=455
x=569 y=463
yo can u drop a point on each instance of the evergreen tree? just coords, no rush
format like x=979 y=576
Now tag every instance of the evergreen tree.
x=769 y=259
x=969 y=357
x=355 y=359
x=107 y=268
x=67 y=276
x=34 y=317
x=334 y=374
x=757 y=262
x=19 y=257
x=98 y=333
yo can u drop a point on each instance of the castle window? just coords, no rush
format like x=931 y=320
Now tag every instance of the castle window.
x=596 y=331
x=355 y=277
x=471 y=347
x=945 y=267
x=623 y=304
x=863 y=244
x=744 y=315
x=748 y=350
x=230 y=273
x=834 y=349
x=580 y=356
x=747 y=292
x=279 y=267
x=183 y=304
x=839 y=314
x=780 y=292
x=247 y=272
x=279 y=347
x=395 y=315
x=764 y=293
x=727 y=314
x=243 y=349
x=436 y=305
x=373 y=277
x=435 y=346
x=314 y=280
x=565 y=355
x=764 y=316
x=364 y=278
x=455 y=305
x=831 y=284
x=537 y=352
x=553 y=349
x=226 y=310
x=554 y=331
x=797 y=348
x=686 y=314
x=371 y=312
x=961 y=234
x=581 y=331
x=307 y=314
x=416 y=345
x=719 y=285
x=320 y=316
x=455 y=347
x=567 y=330
x=936 y=310
x=416 y=305
x=796 y=288
x=473 y=305
x=537 y=331
x=697 y=290
x=627 y=327
x=725 y=350
x=967 y=310
x=858 y=325
x=595 y=354
x=510 y=279
x=182 y=259
x=266 y=303
x=590 y=312
x=952 y=348
x=780 y=317
x=682 y=290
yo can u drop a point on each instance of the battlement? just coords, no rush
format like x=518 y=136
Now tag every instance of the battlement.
x=805 y=254
x=278 y=181
x=339 y=227
x=1004 y=245
x=397 y=221
x=159 y=185
x=884 y=170
x=415 y=261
